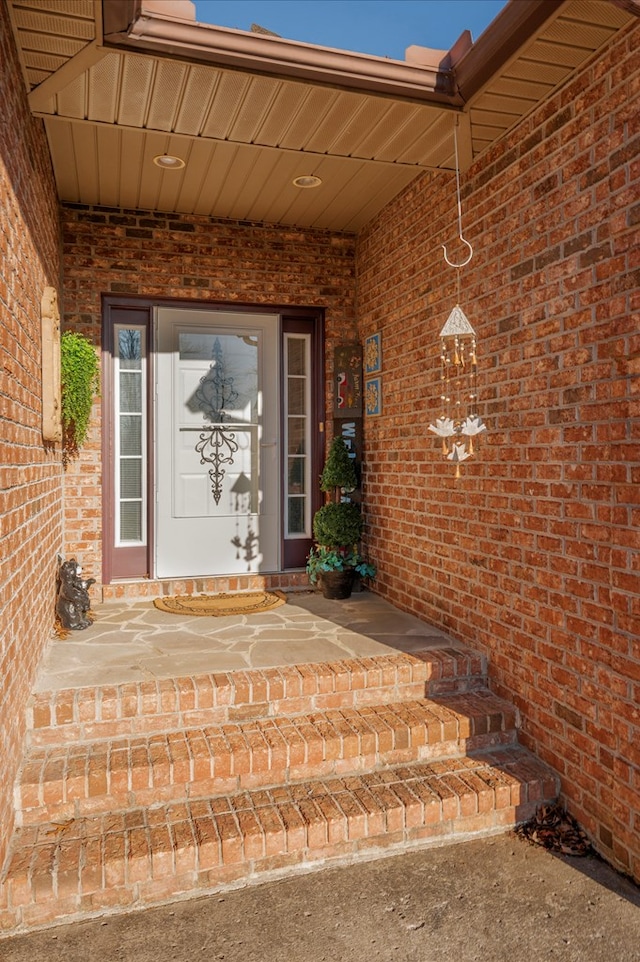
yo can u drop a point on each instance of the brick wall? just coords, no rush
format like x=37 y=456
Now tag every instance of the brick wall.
x=193 y=258
x=30 y=472
x=533 y=553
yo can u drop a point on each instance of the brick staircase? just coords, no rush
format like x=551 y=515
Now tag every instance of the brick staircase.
x=142 y=793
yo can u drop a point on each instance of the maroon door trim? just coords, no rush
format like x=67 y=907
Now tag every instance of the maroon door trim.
x=134 y=561
x=121 y=563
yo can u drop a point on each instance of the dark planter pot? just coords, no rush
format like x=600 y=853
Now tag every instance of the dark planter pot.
x=337 y=585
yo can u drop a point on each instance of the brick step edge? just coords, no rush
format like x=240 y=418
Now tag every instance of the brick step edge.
x=292 y=582
x=116 y=862
x=86 y=778
x=80 y=714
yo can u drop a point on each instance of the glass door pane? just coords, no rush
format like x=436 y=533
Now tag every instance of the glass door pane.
x=297 y=401
x=130 y=419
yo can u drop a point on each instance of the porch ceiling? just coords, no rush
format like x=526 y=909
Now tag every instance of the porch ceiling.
x=248 y=113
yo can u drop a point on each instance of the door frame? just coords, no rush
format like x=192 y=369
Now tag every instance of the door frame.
x=199 y=533
x=137 y=561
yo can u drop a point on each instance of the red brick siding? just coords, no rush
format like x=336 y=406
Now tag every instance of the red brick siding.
x=195 y=258
x=533 y=553
x=30 y=472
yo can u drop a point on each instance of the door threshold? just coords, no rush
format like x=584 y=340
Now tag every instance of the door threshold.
x=150 y=588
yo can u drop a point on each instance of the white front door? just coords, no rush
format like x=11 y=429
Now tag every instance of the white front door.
x=216 y=429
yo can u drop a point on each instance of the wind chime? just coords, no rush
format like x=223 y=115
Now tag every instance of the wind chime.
x=459 y=421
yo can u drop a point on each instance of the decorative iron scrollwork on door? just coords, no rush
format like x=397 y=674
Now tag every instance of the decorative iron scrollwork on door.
x=217 y=441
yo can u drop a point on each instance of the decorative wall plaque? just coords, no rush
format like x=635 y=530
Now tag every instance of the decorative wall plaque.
x=372 y=354
x=373 y=396
x=347 y=368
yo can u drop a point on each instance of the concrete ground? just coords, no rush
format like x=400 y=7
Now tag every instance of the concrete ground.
x=492 y=900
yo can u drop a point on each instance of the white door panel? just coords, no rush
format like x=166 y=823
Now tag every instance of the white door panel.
x=217 y=463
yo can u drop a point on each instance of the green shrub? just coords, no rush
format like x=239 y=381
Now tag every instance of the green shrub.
x=339 y=470
x=338 y=524
x=80 y=383
x=322 y=560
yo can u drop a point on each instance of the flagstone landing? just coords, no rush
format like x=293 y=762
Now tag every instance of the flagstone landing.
x=134 y=641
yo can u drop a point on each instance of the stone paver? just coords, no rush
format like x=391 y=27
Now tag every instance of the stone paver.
x=131 y=642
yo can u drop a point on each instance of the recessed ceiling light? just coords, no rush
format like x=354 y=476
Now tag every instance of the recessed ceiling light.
x=307 y=180
x=168 y=162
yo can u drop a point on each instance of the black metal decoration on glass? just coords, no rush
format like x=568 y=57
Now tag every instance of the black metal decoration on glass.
x=215 y=395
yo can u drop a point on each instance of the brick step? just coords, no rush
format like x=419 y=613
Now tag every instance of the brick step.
x=145 y=856
x=73 y=780
x=136 y=708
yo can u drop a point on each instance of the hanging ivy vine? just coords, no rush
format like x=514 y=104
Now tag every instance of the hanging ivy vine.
x=80 y=383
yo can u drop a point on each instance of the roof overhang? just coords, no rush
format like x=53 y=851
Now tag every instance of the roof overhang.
x=136 y=26
x=122 y=82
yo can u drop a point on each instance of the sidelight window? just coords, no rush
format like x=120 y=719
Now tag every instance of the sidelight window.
x=297 y=352
x=130 y=393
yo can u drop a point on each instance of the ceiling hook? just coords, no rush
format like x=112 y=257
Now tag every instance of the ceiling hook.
x=467 y=259
x=465 y=242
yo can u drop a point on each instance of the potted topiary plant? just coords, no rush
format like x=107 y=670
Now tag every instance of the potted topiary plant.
x=334 y=560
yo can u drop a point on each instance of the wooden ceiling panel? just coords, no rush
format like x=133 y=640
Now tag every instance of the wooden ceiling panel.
x=585 y=36
x=85 y=147
x=110 y=159
x=342 y=113
x=165 y=96
x=36 y=77
x=594 y=12
x=484 y=131
x=44 y=63
x=59 y=135
x=348 y=142
x=151 y=179
x=436 y=132
x=401 y=144
x=313 y=110
x=362 y=191
x=561 y=55
x=231 y=199
x=72 y=101
x=393 y=118
x=288 y=103
x=512 y=107
x=199 y=88
x=275 y=206
x=132 y=163
x=230 y=92
x=33 y=42
x=136 y=77
x=104 y=87
x=197 y=190
x=28 y=17
x=298 y=207
x=524 y=90
x=526 y=69
x=68 y=8
x=223 y=156
x=271 y=167
x=260 y=94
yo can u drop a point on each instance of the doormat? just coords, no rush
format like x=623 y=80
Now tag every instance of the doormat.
x=218 y=606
